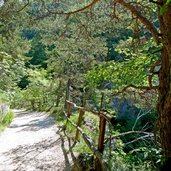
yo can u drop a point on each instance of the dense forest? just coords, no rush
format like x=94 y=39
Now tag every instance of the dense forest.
x=104 y=55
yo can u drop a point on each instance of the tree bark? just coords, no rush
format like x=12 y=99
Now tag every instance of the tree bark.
x=164 y=104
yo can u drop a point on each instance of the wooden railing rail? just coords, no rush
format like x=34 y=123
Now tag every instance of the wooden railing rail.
x=104 y=117
x=103 y=114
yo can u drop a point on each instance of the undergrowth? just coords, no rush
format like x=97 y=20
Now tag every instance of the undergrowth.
x=6 y=119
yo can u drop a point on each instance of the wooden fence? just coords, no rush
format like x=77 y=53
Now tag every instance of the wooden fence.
x=104 y=117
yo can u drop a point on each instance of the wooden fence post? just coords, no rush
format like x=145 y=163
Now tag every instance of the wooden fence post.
x=80 y=119
x=102 y=128
x=68 y=114
x=102 y=134
x=69 y=106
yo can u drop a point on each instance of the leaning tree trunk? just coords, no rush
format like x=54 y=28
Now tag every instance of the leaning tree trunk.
x=164 y=105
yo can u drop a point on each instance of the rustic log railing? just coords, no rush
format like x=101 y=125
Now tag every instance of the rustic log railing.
x=103 y=118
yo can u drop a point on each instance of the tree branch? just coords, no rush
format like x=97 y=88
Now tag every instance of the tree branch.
x=138 y=117
x=128 y=133
x=139 y=138
x=152 y=71
x=71 y=12
x=50 y=12
x=19 y=10
x=142 y=18
x=135 y=87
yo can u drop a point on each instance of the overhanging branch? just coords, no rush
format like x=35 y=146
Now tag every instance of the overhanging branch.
x=70 y=12
x=84 y=8
x=152 y=71
x=22 y=8
x=142 y=18
x=134 y=87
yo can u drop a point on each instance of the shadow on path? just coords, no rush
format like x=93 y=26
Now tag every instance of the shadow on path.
x=36 y=124
x=67 y=151
x=34 y=155
x=39 y=147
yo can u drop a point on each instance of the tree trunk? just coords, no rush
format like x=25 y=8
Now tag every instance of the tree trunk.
x=164 y=105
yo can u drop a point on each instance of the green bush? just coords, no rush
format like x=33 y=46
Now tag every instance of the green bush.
x=70 y=129
x=3 y=97
x=57 y=113
x=6 y=119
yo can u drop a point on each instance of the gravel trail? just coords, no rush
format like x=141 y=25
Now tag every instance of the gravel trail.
x=32 y=143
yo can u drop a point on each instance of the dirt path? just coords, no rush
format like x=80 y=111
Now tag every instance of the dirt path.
x=32 y=143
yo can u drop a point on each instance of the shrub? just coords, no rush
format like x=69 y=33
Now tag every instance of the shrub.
x=6 y=119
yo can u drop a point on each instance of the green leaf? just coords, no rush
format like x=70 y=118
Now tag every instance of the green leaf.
x=164 y=7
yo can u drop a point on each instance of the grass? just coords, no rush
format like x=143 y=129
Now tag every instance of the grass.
x=6 y=119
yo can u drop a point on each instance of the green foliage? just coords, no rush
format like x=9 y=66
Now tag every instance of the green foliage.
x=142 y=158
x=133 y=70
x=81 y=147
x=11 y=71
x=164 y=7
x=71 y=130
x=58 y=114
x=37 y=52
x=37 y=91
x=3 y=97
x=6 y=119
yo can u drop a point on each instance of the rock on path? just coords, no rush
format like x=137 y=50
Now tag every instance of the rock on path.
x=31 y=143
